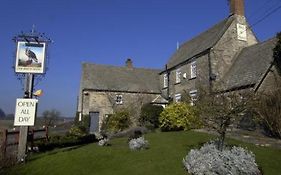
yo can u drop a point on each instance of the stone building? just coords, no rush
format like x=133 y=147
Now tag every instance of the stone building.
x=105 y=88
x=226 y=57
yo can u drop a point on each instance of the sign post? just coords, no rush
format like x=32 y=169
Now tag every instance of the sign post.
x=19 y=115
x=30 y=62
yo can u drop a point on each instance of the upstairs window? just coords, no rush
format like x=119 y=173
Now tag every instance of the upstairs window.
x=119 y=99
x=177 y=97
x=178 y=76
x=193 y=97
x=193 y=70
x=165 y=80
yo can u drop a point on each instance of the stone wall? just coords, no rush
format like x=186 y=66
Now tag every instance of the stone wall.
x=223 y=54
x=105 y=103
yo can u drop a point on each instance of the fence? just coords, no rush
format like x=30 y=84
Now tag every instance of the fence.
x=11 y=140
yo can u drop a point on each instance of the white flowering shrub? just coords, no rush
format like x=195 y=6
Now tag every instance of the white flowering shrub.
x=103 y=142
x=209 y=160
x=138 y=143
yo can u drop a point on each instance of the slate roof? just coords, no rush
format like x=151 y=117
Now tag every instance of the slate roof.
x=200 y=43
x=113 y=78
x=250 y=65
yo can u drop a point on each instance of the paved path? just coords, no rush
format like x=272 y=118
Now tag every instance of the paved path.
x=255 y=137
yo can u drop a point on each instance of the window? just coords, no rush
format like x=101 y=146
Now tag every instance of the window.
x=193 y=96
x=193 y=70
x=177 y=97
x=165 y=80
x=119 y=99
x=178 y=76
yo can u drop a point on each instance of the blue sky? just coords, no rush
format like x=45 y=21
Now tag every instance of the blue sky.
x=108 y=32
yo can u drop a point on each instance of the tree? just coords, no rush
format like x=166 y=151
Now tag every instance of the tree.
x=219 y=111
x=50 y=117
x=268 y=107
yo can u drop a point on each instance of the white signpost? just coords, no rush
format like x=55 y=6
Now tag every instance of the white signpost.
x=25 y=112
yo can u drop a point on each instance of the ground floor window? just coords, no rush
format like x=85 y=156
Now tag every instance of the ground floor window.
x=177 y=97
x=119 y=99
x=193 y=97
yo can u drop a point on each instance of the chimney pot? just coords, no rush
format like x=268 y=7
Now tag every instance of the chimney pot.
x=129 y=63
x=237 y=7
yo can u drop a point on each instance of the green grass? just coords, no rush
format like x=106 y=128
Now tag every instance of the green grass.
x=164 y=157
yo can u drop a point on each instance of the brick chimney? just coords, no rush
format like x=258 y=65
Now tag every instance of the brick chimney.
x=236 y=7
x=129 y=63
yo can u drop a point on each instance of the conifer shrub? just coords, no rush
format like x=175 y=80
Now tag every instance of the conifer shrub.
x=149 y=116
x=179 y=116
x=210 y=160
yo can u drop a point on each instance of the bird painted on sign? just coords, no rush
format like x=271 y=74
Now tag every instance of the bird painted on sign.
x=31 y=55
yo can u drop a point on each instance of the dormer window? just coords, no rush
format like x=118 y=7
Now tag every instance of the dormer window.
x=119 y=99
x=178 y=76
x=193 y=70
x=165 y=80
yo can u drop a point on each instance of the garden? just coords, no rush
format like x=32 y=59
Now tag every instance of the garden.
x=167 y=141
x=164 y=156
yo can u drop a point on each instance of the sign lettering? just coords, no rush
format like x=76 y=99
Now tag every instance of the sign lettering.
x=25 y=112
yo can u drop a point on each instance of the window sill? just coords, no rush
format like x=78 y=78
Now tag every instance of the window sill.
x=177 y=83
x=192 y=78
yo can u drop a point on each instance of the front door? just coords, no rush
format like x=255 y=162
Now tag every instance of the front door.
x=94 y=124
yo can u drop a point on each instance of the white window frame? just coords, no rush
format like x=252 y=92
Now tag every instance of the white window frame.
x=119 y=99
x=178 y=75
x=165 y=80
x=193 y=97
x=193 y=70
x=177 y=98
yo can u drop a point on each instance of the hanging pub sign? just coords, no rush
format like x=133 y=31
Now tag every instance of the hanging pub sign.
x=25 y=112
x=30 y=57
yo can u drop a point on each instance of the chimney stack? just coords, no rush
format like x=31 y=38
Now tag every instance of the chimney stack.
x=129 y=63
x=237 y=7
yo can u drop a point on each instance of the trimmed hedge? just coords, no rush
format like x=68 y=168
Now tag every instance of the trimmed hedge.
x=64 y=141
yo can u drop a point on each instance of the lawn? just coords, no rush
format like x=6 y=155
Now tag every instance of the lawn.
x=164 y=157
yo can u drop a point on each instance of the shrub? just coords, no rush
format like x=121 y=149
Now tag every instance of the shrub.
x=64 y=141
x=149 y=116
x=135 y=134
x=138 y=144
x=77 y=131
x=103 y=142
x=83 y=125
x=179 y=116
x=268 y=107
x=118 y=121
x=209 y=160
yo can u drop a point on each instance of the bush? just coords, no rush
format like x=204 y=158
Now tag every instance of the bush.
x=268 y=107
x=83 y=125
x=118 y=121
x=149 y=116
x=77 y=131
x=179 y=116
x=104 y=142
x=138 y=144
x=64 y=141
x=209 y=160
